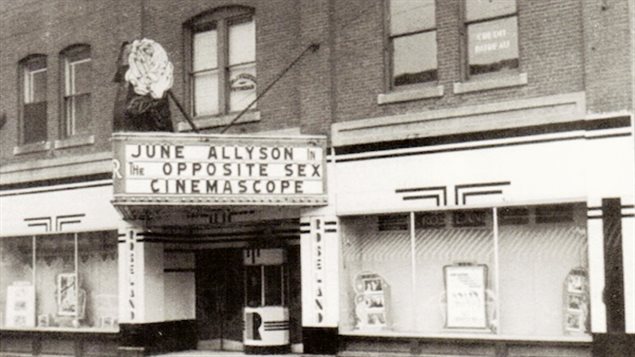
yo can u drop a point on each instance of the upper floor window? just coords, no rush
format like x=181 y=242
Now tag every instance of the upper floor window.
x=34 y=119
x=413 y=41
x=492 y=36
x=77 y=82
x=223 y=61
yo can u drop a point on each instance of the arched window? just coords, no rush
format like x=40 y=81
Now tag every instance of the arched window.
x=222 y=65
x=77 y=82
x=33 y=123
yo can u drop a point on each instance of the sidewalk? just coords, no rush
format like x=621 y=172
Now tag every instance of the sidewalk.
x=197 y=353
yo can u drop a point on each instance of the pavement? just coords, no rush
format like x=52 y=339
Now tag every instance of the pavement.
x=196 y=353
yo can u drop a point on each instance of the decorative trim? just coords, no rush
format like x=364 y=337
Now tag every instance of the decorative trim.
x=476 y=85
x=74 y=141
x=410 y=95
x=216 y=121
x=487 y=139
x=439 y=194
x=508 y=115
x=61 y=168
x=31 y=148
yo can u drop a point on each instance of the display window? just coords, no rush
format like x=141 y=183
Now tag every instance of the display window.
x=59 y=281
x=480 y=271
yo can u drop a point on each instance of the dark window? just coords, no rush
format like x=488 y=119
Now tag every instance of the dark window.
x=472 y=218
x=77 y=82
x=492 y=36
x=393 y=222
x=513 y=216
x=431 y=220
x=223 y=61
x=413 y=40
x=33 y=97
x=554 y=214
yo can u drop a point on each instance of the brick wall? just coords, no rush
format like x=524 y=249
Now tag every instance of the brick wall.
x=609 y=55
x=565 y=46
x=48 y=27
x=551 y=46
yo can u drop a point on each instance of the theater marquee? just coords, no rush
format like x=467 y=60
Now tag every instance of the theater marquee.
x=193 y=169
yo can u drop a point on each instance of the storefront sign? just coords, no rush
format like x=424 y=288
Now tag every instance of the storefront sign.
x=493 y=41
x=465 y=294
x=319 y=245
x=227 y=170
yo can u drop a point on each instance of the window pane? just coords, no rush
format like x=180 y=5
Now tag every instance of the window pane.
x=410 y=16
x=206 y=93
x=34 y=122
x=415 y=58
x=35 y=86
x=451 y=239
x=98 y=272
x=376 y=280
x=273 y=285
x=56 y=283
x=205 y=46
x=16 y=282
x=81 y=76
x=242 y=83
x=242 y=42
x=77 y=114
x=254 y=285
x=483 y=9
x=493 y=46
x=536 y=260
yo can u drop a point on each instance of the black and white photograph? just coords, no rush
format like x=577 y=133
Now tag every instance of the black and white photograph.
x=329 y=178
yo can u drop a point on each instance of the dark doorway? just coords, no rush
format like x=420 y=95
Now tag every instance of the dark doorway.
x=220 y=298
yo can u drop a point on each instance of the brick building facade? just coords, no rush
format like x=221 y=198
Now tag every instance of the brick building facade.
x=452 y=166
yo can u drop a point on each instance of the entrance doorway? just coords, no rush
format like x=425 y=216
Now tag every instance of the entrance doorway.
x=222 y=304
x=219 y=299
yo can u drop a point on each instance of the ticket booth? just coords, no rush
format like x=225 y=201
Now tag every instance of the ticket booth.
x=266 y=314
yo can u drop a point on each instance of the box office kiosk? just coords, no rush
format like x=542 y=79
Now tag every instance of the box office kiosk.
x=266 y=314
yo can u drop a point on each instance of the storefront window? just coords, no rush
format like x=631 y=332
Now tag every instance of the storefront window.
x=450 y=246
x=467 y=271
x=377 y=291
x=59 y=281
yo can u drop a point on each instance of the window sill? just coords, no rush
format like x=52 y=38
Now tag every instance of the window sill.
x=222 y=120
x=74 y=141
x=484 y=336
x=511 y=80
x=33 y=147
x=410 y=95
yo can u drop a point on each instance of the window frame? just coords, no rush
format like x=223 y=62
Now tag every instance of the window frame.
x=465 y=60
x=390 y=51
x=68 y=58
x=220 y=19
x=27 y=67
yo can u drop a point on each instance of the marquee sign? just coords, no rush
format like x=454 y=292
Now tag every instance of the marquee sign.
x=193 y=169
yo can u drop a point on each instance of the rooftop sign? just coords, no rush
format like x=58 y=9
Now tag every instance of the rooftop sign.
x=193 y=169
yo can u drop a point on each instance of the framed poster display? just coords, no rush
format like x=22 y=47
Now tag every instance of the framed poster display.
x=20 y=305
x=465 y=291
x=70 y=300
x=575 y=301
x=371 y=300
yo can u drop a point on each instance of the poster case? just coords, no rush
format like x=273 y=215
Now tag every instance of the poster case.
x=20 y=305
x=466 y=299
x=372 y=298
x=576 y=302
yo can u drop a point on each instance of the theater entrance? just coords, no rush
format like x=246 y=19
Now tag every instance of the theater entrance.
x=219 y=299
x=248 y=299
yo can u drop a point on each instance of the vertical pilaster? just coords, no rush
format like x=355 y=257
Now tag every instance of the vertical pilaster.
x=319 y=237
x=613 y=340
